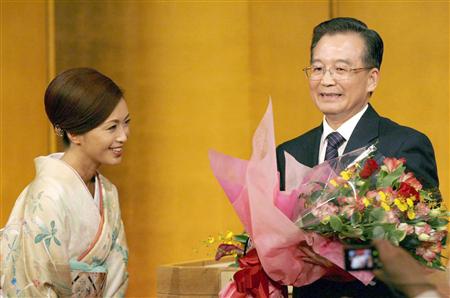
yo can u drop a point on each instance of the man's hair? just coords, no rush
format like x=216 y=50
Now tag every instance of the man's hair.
x=372 y=40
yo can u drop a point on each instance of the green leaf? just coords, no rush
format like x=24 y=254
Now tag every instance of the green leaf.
x=356 y=218
x=314 y=196
x=57 y=242
x=363 y=188
x=378 y=232
x=438 y=222
x=47 y=241
x=398 y=235
x=336 y=223
x=411 y=242
x=39 y=238
x=352 y=232
x=241 y=238
x=390 y=178
x=308 y=220
x=377 y=214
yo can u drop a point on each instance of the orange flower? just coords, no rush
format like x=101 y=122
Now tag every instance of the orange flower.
x=393 y=163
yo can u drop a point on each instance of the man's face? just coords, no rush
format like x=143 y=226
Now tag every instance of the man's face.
x=339 y=100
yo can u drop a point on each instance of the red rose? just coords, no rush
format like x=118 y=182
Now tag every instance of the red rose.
x=406 y=191
x=411 y=180
x=370 y=166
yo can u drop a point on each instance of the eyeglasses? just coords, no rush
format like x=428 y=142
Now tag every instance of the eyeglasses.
x=316 y=73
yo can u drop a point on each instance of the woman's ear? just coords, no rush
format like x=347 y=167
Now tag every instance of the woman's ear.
x=73 y=138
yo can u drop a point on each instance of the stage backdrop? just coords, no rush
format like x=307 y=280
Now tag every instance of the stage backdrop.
x=197 y=75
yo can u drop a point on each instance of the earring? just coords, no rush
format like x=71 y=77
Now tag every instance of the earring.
x=59 y=131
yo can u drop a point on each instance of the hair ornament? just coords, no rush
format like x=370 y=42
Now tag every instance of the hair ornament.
x=59 y=131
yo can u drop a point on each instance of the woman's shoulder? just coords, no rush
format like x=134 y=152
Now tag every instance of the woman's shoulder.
x=45 y=184
x=44 y=191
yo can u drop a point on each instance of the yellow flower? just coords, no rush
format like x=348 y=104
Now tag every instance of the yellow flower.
x=229 y=235
x=382 y=196
x=410 y=202
x=325 y=219
x=411 y=214
x=211 y=240
x=402 y=206
x=385 y=206
x=333 y=182
x=366 y=202
x=346 y=175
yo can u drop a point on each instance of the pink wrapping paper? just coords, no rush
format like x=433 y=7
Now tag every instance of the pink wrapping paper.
x=268 y=213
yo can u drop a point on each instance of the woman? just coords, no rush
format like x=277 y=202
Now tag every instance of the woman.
x=65 y=236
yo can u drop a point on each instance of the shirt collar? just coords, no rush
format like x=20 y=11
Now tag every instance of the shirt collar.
x=346 y=129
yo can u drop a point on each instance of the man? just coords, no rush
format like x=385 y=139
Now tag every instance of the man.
x=345 y=69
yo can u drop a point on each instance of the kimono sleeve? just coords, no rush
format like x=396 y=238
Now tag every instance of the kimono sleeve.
x=36 y=263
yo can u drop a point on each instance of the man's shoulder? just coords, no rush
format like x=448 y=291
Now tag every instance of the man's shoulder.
x=305 y=139
x=391 y=129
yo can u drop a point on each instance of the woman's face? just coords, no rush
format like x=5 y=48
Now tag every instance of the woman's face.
x=104 y=144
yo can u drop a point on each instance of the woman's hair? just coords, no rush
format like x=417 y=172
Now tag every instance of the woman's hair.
x=80 y=99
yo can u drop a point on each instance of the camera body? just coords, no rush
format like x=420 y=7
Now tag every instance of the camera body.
x=361 y=257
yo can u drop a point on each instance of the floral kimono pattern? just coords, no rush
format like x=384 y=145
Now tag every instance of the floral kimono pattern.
x=58 y=243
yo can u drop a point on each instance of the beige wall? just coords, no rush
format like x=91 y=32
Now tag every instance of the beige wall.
x=24 y=68
x=198 y=76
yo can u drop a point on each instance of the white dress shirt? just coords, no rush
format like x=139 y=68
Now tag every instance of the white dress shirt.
x=346 y=130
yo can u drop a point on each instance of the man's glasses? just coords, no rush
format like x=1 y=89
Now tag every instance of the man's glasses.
x=316 y=73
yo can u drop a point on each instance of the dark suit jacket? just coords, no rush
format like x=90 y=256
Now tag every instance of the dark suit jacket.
x=393 y=140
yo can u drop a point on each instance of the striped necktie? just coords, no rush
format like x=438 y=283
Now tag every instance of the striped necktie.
x=335 y=140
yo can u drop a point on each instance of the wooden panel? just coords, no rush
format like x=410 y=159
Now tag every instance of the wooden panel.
x=184 y=68
x=281 y=34
x=23 y=124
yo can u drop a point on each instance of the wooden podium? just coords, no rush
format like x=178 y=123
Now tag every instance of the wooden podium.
x=204 y=278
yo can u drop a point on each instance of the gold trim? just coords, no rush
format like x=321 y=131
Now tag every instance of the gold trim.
x=52 y=142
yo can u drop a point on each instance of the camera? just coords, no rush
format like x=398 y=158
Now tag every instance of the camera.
x=361 y=257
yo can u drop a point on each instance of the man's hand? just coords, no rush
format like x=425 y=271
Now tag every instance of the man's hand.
x=312 y=257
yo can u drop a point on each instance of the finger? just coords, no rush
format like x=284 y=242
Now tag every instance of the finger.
x=380 y=274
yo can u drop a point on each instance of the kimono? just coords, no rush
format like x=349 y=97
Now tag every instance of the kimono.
x=58 y=242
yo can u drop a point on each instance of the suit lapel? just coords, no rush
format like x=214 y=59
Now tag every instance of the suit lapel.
x=365 y=132
x=313 y=154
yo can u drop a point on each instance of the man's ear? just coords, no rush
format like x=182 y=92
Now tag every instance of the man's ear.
x=74 y=139
x=372 y=80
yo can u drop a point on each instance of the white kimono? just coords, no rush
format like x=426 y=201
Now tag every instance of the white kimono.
x=57 y=242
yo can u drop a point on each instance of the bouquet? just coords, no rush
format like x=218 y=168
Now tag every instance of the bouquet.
x=321 y=209
x=370 y=200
